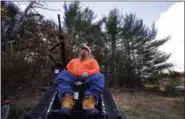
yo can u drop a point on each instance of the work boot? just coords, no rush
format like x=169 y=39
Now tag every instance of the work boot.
x=67 y=104
x=89 y=106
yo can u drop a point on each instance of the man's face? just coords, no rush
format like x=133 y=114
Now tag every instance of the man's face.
x=84 y=52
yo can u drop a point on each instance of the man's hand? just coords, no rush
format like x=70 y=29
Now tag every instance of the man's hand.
x=84 y=75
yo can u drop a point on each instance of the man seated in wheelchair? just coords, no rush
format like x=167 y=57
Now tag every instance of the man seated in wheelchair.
x=86 y=67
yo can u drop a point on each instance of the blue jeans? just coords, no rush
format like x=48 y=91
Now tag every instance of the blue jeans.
x=65 y=80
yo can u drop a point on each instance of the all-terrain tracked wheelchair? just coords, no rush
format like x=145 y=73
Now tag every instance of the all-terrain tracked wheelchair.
x=49 y=106
x=79 y=88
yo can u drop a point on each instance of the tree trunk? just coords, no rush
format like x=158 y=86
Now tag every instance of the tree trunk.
x=106 y=70
x=115 y=82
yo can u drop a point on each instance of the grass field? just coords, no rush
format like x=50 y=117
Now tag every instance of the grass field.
x=137 y=105
x=141 y=105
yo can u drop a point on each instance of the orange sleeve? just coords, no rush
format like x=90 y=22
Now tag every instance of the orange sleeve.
x=95 y=68
x=71 y=68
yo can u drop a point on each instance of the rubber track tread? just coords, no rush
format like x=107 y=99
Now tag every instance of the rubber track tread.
x=40 y=110
x=110 y=106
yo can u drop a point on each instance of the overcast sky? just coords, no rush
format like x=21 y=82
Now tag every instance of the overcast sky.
x=168 y=16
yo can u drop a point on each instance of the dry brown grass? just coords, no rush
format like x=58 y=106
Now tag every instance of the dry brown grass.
x=133 y=105
x=148 y=106
x=23 y=104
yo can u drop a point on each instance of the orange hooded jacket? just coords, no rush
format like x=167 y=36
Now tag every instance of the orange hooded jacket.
x=77 y=67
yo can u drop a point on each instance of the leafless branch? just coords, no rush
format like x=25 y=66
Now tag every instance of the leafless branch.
x=48 y=9
x=31 y=15
x=18 y=3
x=35 y=10
x=44 y=2
x=39 y=4
x=17 y=25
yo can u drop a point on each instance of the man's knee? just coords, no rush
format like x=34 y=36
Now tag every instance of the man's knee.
x=63 y=76
x=98 y=76
x=64 y=87
x=97 y=79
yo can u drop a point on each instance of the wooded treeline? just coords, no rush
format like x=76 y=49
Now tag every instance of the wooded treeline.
x=126 y=48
